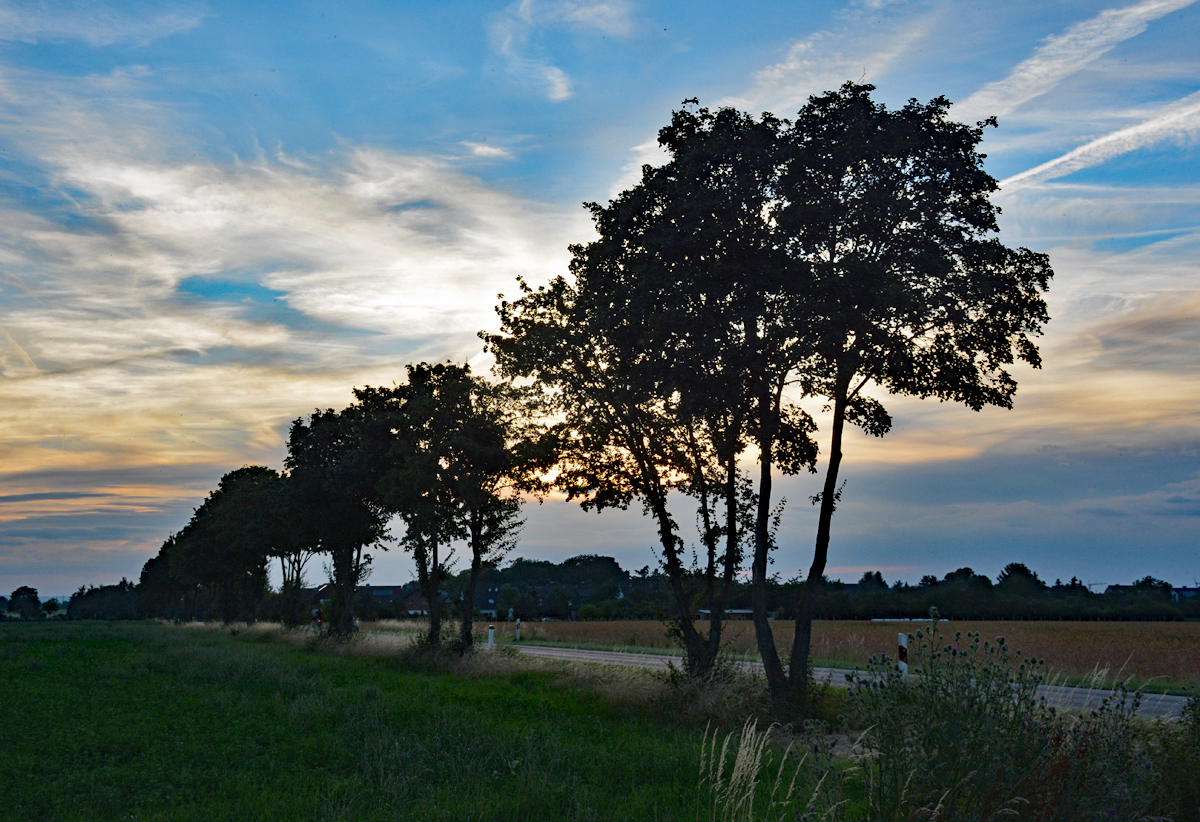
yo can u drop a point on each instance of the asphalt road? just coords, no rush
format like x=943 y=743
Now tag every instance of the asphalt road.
x=1058 y=696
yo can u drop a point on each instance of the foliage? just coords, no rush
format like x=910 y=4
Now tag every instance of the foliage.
x=1175 y=748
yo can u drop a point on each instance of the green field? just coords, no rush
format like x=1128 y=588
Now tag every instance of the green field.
x=138 y=720
x=143 y=721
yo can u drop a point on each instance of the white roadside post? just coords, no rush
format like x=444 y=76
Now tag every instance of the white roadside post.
x=491 y=637
x=518 y=639
x=903 y=655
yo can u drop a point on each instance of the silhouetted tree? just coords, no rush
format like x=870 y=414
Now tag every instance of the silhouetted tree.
x=105 y=602
x=668 y=353
x=225 y=544
x=888 y=222
x=1017 y=580
x=1153 y=588
x=623 y=434
x=24 y=603
x=332 y=487
x=457 y=453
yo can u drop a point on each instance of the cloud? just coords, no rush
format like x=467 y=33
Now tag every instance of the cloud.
x=1063 y=55
x=488 y=151
x=512 y=32
x=96 y=24
x=341 y=268
x=861 y=50
x=1178 y=120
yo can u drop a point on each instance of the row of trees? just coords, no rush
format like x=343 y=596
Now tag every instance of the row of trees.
x=833 y=259
x=447 y=453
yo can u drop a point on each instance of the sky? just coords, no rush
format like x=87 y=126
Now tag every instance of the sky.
x=217 y=217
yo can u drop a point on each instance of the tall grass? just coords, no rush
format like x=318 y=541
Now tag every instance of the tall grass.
x=743 y=780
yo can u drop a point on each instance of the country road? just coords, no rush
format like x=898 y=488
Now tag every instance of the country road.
x=1061 y=697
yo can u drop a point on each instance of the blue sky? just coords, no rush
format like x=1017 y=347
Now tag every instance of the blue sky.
x=217 y=217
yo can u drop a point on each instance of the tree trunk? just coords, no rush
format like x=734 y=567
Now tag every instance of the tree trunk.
x=432 y=596
x=694 y=646
x=802 y=644
x=729 y=567
x=467 y=637
x=772 y=667
x=344 y=579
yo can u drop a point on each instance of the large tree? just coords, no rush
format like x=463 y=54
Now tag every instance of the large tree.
x=889 y=227
x=457 y=455
x=843 y=255
x=334 y=500
x=224 y=546
x=669 y=352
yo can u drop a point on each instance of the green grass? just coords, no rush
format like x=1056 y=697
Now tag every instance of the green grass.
x=144 y=721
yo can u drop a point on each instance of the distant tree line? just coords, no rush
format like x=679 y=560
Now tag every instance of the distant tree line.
x=591 y=587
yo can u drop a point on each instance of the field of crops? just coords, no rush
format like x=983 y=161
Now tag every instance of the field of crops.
x=1142 y=652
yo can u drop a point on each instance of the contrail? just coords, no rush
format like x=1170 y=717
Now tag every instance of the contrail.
x=1180 y=118
x=20 y=351
x=1062 y=56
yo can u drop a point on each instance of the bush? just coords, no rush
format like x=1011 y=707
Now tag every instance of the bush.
x=968 y=738
x=1176 y=748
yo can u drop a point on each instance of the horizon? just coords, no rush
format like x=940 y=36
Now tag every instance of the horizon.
x=218 y=219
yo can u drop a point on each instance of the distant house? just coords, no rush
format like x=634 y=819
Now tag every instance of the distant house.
x=412 y=603
x=485 y=600
x=384 y=595
x=320 y=594
x=1177 y=594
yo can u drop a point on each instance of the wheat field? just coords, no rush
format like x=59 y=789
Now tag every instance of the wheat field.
x=1109 y=651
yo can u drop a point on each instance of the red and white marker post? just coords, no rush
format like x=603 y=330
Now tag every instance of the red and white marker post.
x=903 y=655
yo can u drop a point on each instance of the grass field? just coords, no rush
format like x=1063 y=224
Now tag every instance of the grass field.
x=143 y=721
x=1158 y=655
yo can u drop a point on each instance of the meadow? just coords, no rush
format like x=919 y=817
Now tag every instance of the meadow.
x=146 y=721
x=1155 y=655
x=141 y=720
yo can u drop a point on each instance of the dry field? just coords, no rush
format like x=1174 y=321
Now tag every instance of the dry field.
x=1167 y=652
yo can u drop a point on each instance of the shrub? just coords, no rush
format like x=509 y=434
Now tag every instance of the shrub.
x=1176 y=749
x=968 y=738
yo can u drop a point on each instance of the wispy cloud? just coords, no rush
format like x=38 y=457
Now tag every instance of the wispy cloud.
x=97 y=24
x=488 y=151
x=1064 y=55
x=858 y=50
x=1178 y=120
x=358 y=261
x=512 y=33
